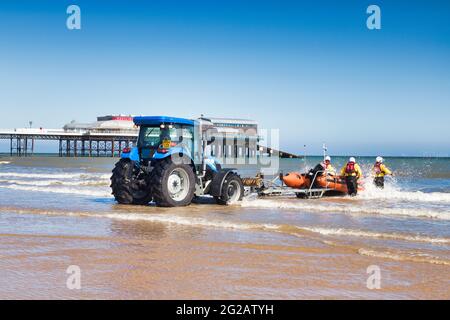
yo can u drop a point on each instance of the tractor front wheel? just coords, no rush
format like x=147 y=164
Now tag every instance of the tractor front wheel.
x=130 y=184
x=173 y=185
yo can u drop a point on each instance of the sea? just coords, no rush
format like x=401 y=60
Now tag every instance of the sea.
x=57 y=214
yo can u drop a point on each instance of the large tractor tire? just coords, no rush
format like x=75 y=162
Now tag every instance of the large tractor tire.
x=173 y=185
x=130 y=185
x=232 y=190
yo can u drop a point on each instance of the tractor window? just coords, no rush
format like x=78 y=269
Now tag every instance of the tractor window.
x=187 y=133
x=149 y=137
x=153 y=136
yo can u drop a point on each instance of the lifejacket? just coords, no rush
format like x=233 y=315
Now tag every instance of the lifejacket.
x=350 y=169
x=329 y=166
x=377 y=168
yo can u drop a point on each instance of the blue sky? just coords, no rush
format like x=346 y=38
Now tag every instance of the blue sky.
x=311 y=69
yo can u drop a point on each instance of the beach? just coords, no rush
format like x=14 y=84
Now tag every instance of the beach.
x=59 y=212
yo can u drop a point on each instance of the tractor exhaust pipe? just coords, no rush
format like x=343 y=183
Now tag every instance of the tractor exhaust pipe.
x=203 y=164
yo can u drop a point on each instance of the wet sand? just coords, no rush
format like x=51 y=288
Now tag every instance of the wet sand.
x=160 y=262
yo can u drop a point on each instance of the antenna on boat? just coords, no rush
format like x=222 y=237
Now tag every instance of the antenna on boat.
x=304 y=158
x=325 y=149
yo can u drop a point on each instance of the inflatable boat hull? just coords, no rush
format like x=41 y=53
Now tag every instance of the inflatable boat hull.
x=300 y=181
x=296 y=180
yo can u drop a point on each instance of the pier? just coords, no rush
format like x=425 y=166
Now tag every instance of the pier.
x=71 y=144
x=109 y=135
x=91 y=144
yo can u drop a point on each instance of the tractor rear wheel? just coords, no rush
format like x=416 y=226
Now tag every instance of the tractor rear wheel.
x=232 y=190
x=130 y=185
x=173 y=185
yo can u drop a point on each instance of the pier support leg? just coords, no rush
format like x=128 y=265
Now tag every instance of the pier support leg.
x=19 y=147
x=112 y=148
x=83 y=149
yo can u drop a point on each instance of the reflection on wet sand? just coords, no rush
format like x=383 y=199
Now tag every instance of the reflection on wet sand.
x=138 y=230
x=153 y=261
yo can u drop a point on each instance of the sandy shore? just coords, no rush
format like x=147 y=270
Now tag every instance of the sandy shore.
x=174 y=266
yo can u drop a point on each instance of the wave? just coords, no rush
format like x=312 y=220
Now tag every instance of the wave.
x=403 y=256
x=379 y=235
x=201 y=222
x=194 y=222
x=5 y=162
x=55 y=175
x=64 y=190
x=198 y=222
x=392 y=193
x=348 y=208
x=161 y=218
x=284 y=229
x=92 y=183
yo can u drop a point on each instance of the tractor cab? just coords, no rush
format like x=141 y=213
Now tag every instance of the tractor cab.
x=160 y=137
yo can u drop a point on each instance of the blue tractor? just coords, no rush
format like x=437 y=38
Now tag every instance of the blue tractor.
x=170 y=165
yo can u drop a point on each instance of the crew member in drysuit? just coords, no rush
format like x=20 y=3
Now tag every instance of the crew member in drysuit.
x=320 y=169
x=379 y=171
x=352 y=172
x=328 y=167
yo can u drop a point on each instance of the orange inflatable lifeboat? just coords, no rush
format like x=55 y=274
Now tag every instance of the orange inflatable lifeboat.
x=300 y=181
x=296 y=180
